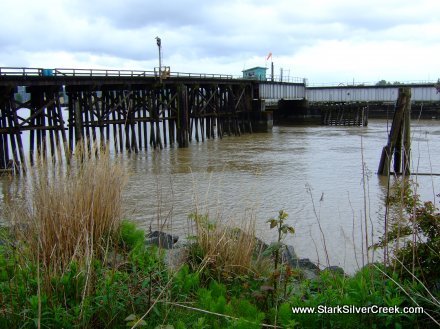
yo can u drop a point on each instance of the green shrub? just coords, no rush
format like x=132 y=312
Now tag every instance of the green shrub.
x=185 y=282
x=366 y=288
x=130 y=235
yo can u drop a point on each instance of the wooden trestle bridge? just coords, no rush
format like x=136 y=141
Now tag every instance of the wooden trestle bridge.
x=125 y=110
x=51 y=111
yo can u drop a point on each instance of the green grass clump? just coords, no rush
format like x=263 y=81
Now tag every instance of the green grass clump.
x=131 y=236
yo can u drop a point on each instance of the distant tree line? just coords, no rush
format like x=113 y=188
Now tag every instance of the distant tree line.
x=387 y=83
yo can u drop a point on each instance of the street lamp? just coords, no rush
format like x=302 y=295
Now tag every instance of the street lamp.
x=159 y=45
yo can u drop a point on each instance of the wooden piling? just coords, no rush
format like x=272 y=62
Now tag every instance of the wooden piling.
x=132 y=122
x=182 y=124
x=70 y=121
x=18 y=132
x=51 y=123
x=4 y=152
x=400 y=129
x=407 y=138
x=78 y=121
x=144 y=115
x=119 y=111
x=113 y=109
x=61 y=125
x=3 y=141
x=137 y=116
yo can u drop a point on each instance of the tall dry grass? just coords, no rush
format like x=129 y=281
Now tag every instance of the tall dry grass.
x=70 y=214
x=227 y=247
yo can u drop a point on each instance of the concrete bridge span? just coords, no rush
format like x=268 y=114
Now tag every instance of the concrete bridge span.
x=373 y=94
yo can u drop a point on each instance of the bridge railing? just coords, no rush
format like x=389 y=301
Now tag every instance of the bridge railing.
x=370 y=84
x=99 y=73
x=200 y=75
x=20 y=71
x=71 y=72
x=63 y=72
x=276 y=78
x=30 y=71
x=280 y=78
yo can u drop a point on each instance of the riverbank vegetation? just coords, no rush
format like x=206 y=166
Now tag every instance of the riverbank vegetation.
x=68 y=260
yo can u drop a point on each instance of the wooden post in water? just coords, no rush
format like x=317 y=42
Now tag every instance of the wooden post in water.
x=17 y=131
x=399 y=133
x=4 y=149
x=157 y=112
x=407 y=139
x=182 y=121
x=79 y=133
x=59 y=116
x=4 y=152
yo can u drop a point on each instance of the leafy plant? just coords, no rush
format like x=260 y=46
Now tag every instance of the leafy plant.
x=135 y=321
x=415 y=236
x=282 y=229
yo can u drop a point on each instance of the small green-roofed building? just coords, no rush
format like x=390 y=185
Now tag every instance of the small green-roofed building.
x=256 y=73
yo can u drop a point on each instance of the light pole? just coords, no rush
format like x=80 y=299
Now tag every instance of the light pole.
x=159 y=45
x=159 y=102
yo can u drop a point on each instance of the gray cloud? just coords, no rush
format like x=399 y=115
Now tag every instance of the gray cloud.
x=218 y=32
x=133 y=14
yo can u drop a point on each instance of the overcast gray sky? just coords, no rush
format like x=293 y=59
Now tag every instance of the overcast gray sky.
x=324 y=41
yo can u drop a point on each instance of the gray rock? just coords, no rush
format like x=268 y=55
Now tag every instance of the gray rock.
x=260 y=245
x=307 y=264
x=175 y=257
x=309 y=269
x=116 y=260
x=289 y=256
x=161 y=239
x=309 y=274
x=335 y=269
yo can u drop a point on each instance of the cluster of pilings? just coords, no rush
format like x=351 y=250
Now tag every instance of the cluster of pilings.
x=126 y=118
x=344 y=114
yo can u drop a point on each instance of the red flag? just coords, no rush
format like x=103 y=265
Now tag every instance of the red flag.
x=269 y=56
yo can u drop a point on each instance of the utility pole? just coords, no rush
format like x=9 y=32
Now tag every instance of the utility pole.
x=159 y=45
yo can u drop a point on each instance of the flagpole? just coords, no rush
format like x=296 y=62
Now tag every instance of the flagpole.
x=272 y=71
x=267 y=58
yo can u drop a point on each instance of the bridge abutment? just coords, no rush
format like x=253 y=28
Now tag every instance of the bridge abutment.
x=262 y=119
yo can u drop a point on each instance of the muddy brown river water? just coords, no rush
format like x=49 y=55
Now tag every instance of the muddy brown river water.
x=315 y=173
